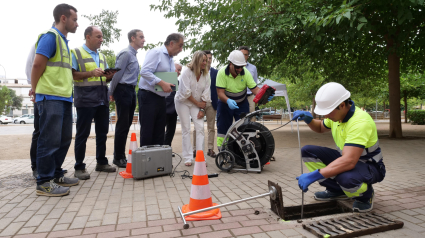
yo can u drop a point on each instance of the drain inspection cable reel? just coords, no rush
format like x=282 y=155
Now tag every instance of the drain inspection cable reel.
x=250 y=145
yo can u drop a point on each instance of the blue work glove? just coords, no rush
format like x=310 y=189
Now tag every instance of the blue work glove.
x=271 y=97
x=306 y=179
x=303 y=116
x=232 y=104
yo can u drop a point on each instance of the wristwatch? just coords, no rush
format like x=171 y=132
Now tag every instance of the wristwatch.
x=201 y=109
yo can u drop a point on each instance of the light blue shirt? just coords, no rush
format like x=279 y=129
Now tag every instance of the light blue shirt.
x=253 y=70
x=94 y=54
x=156 y=60
x=129 y=65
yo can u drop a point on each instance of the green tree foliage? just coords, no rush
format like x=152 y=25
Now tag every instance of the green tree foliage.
x=9 y=100
x=412 y=86
x=5 y=99
x=16 y=102
x=106 y=21
x=358 y=43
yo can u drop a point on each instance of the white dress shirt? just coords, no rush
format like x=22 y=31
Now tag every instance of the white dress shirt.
x=188 y=86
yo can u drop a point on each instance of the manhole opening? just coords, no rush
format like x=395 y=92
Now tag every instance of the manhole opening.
x=314 y=210
x=310 y=210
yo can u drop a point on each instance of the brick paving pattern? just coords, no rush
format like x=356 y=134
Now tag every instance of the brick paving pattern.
x=109 y=206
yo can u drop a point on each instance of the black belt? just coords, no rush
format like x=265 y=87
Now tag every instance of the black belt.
x=144 y=90
x=127 y=85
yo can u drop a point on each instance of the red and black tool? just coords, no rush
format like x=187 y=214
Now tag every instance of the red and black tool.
x=265 y=92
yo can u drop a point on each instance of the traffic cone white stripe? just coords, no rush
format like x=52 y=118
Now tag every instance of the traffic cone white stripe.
x=200 y=168
x=200 y=192
x=133 y=145
x=129 y=157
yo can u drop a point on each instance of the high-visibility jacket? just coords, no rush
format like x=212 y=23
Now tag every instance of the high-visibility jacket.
x=56 y=79
x=93 y=91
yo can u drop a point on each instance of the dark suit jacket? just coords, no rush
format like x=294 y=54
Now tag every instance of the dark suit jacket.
x=169 y=103
x=214 y=96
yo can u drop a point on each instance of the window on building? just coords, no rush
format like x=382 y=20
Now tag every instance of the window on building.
x=24 y=111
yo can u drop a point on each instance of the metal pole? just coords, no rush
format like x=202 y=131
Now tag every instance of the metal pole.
x=271 y=193
x=302 y=193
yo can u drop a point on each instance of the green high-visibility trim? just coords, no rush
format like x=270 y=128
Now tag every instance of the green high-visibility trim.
x=311 y=166
x=361 y=190
x=220 y=141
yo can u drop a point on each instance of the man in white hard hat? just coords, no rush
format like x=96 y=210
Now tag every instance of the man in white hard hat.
x=232 y=83
x=356 y=164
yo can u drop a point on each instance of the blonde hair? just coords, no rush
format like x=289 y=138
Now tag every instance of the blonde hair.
x=195 y=64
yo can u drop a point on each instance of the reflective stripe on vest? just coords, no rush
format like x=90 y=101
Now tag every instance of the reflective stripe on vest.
x=56 y=79
x=371 y=154
x=237 y=97
x=86 y=63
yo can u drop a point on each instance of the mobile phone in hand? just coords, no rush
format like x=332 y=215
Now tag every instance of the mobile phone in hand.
x=112 y=70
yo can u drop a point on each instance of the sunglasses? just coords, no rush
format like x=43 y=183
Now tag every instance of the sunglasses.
x=237 y=67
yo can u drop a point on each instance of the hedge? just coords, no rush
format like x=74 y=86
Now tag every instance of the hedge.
x=416 y=117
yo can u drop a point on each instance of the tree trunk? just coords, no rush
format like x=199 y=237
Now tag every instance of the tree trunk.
x=314 y=106
x=394 y=91
x=405 y=107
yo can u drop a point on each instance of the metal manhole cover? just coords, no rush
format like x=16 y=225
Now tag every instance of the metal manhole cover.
x=352 y=226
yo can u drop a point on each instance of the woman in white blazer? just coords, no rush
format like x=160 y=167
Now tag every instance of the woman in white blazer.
x=190 y=101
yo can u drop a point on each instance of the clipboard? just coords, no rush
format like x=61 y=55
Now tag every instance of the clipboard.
x=169 y=77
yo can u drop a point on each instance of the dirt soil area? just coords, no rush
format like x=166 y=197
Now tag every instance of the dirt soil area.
x=18 y=146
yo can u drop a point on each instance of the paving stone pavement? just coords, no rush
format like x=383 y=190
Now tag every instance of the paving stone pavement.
x=109 y=206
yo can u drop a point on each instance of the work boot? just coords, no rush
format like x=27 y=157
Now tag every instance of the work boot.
x=367 y=206
x=66 y=182
x=34 y=174
x=328 y=196
x=122 y=163
x=105 y=168
x=51 y=189
x=82 y=174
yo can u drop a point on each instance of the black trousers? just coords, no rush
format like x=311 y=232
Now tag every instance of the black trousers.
x=152 y=118
x=171 y=122
x=125 y=100
x=85 y=116
x=35 y=134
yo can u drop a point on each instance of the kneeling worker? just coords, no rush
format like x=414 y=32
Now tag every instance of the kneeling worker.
x=232 y=83
x=356 y=164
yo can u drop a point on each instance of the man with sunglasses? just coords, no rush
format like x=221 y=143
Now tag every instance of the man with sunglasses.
x=232 y=83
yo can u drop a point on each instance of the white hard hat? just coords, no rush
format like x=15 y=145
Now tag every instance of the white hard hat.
x=237 y=58
x=329 y=96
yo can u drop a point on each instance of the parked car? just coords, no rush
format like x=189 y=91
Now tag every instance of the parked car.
x=18 y=119
x=5 y=120
x=27 y=120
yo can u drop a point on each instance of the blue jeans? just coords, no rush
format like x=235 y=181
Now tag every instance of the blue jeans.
x=35 y=135
x=350 y=182
x=55 y=125
x=100 y=114
x=125 y=100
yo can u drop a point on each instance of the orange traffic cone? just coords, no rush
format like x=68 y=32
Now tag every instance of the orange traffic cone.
x=200 y=193
x=133 y=146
